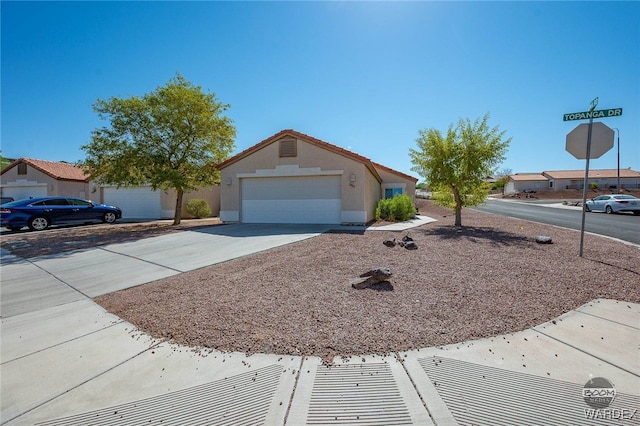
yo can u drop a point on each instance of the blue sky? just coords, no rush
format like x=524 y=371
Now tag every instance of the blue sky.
x=366 y=76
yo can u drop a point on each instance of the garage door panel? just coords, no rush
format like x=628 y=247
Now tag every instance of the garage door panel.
x=291 y=211
x=136 y=203
x=20 y=192
x=292 y=188
x=313 y=199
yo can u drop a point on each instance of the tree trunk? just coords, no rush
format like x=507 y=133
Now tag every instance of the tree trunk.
x=177 y=216
x=456 y=195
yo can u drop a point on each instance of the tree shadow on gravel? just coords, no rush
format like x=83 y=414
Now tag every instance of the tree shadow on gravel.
x=602 y=262
x=476 y=235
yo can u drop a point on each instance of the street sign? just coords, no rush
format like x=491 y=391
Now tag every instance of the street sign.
x=593 y=104
x=601 y=140
x=601 y=113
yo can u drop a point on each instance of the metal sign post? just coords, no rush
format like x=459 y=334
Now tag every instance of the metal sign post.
x=604 y=142
x=584 y=189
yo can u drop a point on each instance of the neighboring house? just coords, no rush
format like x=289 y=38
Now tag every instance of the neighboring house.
x=521 y=182
x=27 y=177
x=605 y=179
x=572 y=179
x=291 y=177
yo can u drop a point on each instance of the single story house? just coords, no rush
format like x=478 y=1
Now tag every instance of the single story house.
x=522 y=182
x=27 y=177
x=604 y=178
x=292 y=177
x=572 y=179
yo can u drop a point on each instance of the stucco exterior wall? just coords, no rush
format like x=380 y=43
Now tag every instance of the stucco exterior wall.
x=211 y=195
x=603 y=183
x=34 y=177
x=393 y=180
x=525 y=185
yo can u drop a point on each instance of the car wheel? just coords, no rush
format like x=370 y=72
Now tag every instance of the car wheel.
x=109 y=217
x=38 y=223
x=608 y=209
x=587 y=208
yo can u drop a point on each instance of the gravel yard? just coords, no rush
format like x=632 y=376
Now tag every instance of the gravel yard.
x=488 y=278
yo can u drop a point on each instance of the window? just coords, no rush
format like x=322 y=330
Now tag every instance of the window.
x=22 y=169
x=288 y=148
x=76 y=202
x=56 y=202
x=550 y=184
x=392 y=192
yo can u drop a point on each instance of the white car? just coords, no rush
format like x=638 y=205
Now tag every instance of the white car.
x=614 y=203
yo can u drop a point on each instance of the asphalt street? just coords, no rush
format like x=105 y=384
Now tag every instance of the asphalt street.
x=623 y=226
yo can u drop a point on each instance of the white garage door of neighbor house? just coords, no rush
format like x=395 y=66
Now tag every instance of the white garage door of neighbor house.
x=136 y=203
x=20 y=192
x=314 y=199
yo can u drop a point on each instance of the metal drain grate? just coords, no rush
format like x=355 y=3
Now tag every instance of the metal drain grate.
x=356 y=394
x=480 y=395
x=239 y=400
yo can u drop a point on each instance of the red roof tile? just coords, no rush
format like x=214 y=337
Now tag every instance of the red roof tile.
x=527 y=177
x=56 y=169
x=602 y=173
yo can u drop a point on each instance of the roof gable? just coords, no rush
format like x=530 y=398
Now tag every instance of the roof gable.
x=56 y=169
x=395 y=172
x=306 y=138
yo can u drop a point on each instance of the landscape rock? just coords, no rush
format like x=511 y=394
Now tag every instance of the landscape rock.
x=410 y=245
x=543 y=239
x=389 y=243
x=371 y=277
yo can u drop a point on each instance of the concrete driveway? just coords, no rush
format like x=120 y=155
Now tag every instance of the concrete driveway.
x=52 y=280
x=65 y=360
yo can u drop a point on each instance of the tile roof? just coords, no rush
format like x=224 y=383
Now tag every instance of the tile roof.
x=602 y=173
x=387 y=169
x=56 y=169
x=528 y=177
x=310 y=139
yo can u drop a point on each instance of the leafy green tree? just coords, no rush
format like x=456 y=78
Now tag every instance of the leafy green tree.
x=4 y=162
x=171 y=138
x=455 y=166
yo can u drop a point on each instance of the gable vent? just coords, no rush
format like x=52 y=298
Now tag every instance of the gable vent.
x=288 y=148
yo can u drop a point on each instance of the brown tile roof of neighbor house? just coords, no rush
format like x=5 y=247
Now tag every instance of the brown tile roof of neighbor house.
x=314 y=141
x=527 y=177
x=579 y=174
x=56 y=169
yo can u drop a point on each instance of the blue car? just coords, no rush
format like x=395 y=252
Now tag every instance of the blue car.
x=42 y=212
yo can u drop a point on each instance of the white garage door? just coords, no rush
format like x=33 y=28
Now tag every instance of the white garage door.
x=313 y=199
x=20 y=192
x=136 y=203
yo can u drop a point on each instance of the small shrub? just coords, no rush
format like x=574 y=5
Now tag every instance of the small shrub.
x=398 y=208
x=594 y=185
x=198 y=207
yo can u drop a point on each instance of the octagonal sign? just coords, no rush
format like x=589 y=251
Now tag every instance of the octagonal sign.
x=601 y=140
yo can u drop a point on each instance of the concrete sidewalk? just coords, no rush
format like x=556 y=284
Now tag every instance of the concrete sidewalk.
x=64 y=360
